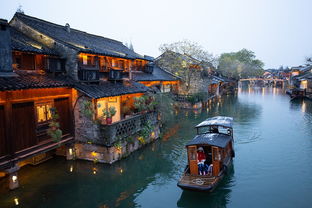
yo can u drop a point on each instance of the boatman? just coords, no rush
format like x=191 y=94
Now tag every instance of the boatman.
x=201 y=158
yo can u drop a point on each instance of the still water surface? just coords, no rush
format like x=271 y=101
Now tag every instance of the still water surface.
x=272 y=167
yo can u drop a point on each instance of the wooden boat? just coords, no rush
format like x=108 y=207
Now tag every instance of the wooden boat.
x=296 y=93
x=215 y=137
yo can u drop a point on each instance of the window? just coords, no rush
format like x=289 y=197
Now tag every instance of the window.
x=43 y=112
x=166 y=88
x=84 y=59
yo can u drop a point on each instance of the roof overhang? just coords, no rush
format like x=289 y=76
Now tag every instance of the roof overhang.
x=212 y=139
x=217 y=121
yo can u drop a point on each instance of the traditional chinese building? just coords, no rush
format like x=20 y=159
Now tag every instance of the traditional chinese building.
x=29 y=88
x=93 y=84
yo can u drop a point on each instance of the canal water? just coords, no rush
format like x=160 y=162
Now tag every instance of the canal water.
x=272 y=167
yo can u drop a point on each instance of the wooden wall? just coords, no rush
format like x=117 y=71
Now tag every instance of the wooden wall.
x=62 y=106
x=23 y=125
x=18 y=118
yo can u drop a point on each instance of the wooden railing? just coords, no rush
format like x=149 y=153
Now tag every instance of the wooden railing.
x=125 y=128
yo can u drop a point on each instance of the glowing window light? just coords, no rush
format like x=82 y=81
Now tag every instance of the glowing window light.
x=84 y=59
x=41 y=113
x=71 y=169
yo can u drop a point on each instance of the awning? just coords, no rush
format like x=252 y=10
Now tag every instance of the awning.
x=217 y=121
x=213 y=139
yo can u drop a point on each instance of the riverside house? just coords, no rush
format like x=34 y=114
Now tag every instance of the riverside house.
x=90 y=82
x=301 y=80
x=201 y=79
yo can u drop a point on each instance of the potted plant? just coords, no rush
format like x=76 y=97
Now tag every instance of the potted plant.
x=54 y=130
x=109 y=113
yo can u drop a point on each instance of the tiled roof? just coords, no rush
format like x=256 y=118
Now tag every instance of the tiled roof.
x=108 y=89
x=31 y=80
x=34 y=80
x=158 y=74
x=21 y=42
x=302 y=68
x=213 y=139
x=79 y=40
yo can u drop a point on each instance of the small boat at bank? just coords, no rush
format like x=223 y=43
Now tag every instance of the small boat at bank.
x=213 y=142
x=296 y=93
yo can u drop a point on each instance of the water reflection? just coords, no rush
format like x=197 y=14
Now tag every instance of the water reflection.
x=270 y=133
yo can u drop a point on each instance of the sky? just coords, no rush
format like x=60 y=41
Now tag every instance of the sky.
x=278 y=31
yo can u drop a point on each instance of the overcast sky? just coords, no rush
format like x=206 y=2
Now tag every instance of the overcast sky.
x=278 y=31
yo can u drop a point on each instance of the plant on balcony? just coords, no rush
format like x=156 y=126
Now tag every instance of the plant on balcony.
x=145 y=103
x=54 y=130
x=109 y=113
x=139 y=104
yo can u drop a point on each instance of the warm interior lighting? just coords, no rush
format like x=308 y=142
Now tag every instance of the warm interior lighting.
x=70 y=151
x=84 y=59
x=71 y=169
x=304 y=84
x=93 y=154
x=16 y=201
x=14 y=178
x=153 y=134
x=121 y=170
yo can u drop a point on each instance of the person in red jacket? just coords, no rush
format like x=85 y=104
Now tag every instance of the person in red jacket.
x=201 y=158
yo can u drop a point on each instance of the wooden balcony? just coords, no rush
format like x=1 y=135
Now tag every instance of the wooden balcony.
x=125 y=128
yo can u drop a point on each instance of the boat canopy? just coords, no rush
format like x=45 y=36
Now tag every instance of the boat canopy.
x=213 y=139
x=217 y=121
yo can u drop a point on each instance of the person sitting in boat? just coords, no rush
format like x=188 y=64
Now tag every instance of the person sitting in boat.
x=201 y=158
x=209 y=171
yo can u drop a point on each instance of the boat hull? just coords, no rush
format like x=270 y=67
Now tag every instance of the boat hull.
x=202 y=183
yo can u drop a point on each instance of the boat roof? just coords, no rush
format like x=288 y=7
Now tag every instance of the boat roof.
x=217 y=121
x=213 y=139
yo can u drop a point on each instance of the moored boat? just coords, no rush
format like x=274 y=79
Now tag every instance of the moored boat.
x=210 y=153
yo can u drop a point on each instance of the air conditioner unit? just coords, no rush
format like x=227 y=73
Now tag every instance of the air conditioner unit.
x=115 y=75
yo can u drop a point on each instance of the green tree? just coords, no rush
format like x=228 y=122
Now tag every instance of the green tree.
x=186 y=59
x=241 y=64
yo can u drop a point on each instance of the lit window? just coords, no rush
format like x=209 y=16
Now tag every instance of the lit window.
x=43 y=112
x=84 y=59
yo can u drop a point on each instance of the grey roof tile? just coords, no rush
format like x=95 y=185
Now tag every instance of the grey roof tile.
x=158 y=74
x=32 y=80
x=213 y=139
x=108 y=89
x=79 y=40
x=21 y=42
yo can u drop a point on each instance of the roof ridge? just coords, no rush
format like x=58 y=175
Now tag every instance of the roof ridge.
x=58 y=25
x=168 y=72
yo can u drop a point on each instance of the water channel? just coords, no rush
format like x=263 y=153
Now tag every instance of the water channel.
x=272 y=167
